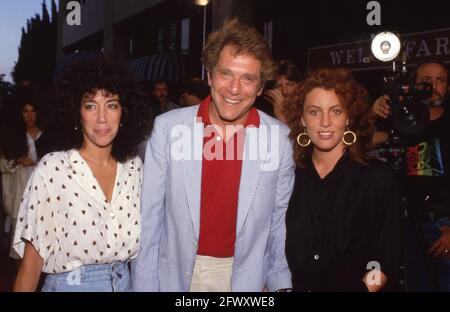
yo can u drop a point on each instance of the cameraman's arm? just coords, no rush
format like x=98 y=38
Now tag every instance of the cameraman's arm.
x=381 y=109
x=379 y=137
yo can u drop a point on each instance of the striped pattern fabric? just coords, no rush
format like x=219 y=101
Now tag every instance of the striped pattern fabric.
x=170 y=66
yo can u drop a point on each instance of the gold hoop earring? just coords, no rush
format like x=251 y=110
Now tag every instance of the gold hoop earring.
x=299 y=137
x=349 y=132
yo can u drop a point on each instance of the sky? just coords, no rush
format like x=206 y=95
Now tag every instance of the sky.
x=13 y=16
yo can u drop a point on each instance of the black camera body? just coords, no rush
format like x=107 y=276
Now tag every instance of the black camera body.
x=409 y=112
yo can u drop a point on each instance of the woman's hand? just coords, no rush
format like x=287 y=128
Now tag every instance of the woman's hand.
x=25 y=161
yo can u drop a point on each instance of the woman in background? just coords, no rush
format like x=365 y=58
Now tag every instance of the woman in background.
x=18 y=156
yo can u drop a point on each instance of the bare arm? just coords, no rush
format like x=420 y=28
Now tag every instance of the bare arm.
x=381 y=109
x=379 y=137
x=30 y=270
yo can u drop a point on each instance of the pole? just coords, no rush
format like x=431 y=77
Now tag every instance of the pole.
x=204 y=38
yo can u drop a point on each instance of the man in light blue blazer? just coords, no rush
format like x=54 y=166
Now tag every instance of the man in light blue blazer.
x=217 y=181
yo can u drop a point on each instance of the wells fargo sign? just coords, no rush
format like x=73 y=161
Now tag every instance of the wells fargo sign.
x=356 y=55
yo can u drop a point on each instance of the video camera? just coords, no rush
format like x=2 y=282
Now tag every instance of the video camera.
x=409 y=112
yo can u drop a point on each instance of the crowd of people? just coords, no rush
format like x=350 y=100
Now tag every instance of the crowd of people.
x=261 y=178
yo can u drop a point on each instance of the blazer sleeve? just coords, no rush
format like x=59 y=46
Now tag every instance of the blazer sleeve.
x=279 y=276
x=144 y=268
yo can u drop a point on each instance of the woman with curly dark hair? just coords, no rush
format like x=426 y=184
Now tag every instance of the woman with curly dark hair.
x=79 y=220
x=343 y=220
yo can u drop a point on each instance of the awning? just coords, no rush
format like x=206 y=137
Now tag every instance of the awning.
x=73 y=59
x=167 y=66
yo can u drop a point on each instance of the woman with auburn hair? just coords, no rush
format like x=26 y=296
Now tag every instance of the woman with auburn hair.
x=343 y=220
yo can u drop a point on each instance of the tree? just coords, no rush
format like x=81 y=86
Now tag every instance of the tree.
x=5 y=86
x=37 y=50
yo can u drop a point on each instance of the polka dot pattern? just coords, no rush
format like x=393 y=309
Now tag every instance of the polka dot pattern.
x=69 y=221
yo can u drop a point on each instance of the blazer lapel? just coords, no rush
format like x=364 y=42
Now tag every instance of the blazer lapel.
x=192 y=169
x=250 y=174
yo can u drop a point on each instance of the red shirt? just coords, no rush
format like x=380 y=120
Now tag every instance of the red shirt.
x=221 y=175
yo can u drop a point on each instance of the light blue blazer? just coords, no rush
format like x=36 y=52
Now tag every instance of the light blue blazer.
x=171 y=206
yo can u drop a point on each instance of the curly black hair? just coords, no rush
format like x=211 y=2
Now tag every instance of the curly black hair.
x=61 y=116
x=13 y=131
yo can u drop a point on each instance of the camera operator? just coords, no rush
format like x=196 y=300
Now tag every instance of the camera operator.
x=426 y=183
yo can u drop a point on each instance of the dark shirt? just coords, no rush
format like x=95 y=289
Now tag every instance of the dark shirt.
x=427 y=182
x=338 y=224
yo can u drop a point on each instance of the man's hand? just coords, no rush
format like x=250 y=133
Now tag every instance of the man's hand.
x=441 y=247
x=381 y=107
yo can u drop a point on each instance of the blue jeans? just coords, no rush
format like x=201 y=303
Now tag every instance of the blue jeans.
x=113 y=277
x=423 y=272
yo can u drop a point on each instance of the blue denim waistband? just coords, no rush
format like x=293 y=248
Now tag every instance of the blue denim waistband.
x=95 y=277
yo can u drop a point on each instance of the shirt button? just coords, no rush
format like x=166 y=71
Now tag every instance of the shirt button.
x=187 y=274
x=218 y=138
x=239 y=270
x=316 y=257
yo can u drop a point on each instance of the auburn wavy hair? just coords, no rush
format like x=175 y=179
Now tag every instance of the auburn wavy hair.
x=353 y=97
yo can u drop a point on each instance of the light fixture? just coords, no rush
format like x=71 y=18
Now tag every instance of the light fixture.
x=385 y=46
x=201 y=2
